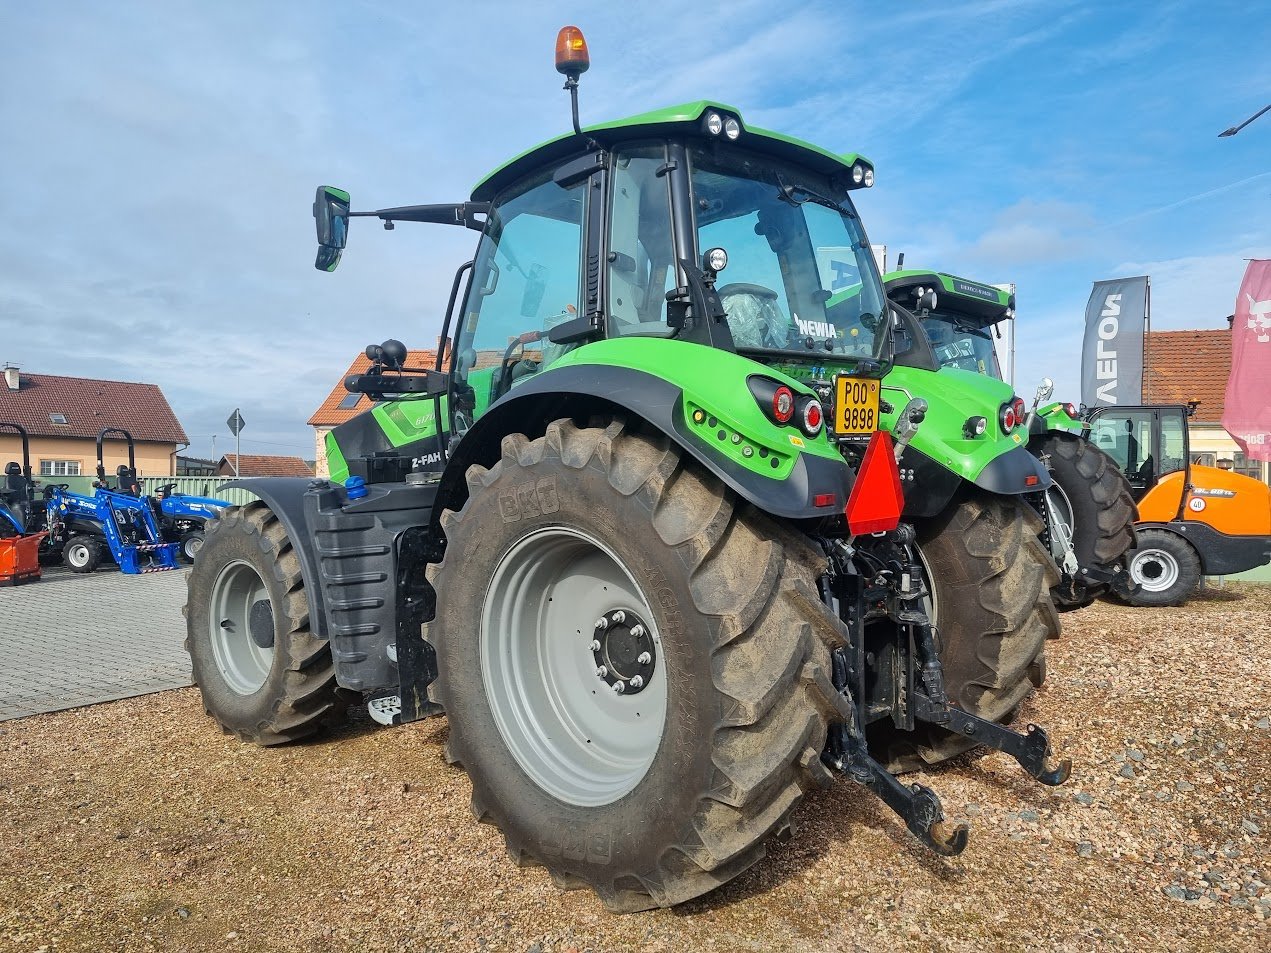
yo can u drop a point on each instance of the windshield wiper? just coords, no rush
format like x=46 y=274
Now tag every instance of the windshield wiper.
x=787 y=194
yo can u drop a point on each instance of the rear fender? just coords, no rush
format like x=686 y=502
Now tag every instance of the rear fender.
x=783 y=475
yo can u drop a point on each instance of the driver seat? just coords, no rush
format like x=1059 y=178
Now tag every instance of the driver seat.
x=16 y=489
x=754 y=316
x=128 y=482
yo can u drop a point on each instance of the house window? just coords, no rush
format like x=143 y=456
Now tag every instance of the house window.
x=59 y=468
x=1250 y=468
x=58 y=419
x=350 y=401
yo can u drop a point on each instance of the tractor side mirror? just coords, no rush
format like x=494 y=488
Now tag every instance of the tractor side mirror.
x=535 y=288
x=331 y=219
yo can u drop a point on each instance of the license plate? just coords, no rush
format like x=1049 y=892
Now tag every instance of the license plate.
x=855 y=405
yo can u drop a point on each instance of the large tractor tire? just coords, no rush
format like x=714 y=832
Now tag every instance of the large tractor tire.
x=263 y=674
x=82 y=554
x=1091 y=501
x=581 y=562
x=990 y=579
x=1164 y=570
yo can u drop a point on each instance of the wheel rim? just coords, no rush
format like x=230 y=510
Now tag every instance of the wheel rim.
x=1154 y=570
x=192 y=546
x=563 y=722
x=244 y=663
x=931 y=601
x=77 y=555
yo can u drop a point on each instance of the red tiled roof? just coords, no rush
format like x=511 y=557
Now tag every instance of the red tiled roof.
x=89 y=406
x=1183 y=366
x=257 y=464
x=331 y=414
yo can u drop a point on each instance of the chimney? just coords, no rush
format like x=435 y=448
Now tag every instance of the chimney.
x=11 y=378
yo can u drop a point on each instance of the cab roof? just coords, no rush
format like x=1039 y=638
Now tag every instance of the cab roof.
x=686 y=118
x=972 y=298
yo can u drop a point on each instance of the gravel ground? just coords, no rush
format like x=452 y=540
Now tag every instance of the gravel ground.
x=136 y=825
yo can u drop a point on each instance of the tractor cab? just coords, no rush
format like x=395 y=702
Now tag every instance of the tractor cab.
x=684 y=224
x=950 y=321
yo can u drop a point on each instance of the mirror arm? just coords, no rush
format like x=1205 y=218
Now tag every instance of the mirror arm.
x=452 y=213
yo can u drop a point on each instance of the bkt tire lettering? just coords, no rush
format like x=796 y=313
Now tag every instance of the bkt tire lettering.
x=529 y=500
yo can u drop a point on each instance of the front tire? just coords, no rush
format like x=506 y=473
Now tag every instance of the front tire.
x=82 y=554
x=650 y=797
x=1165 y=569
x=990 y=578
x=191 y=543
x=263 y=675
x=1102 y=512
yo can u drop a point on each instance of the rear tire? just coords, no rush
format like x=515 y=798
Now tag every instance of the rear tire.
x=571 y=527
x=82 y=554
x=1165 y=569
x=990 y=578
x=263 y=674
x=1103 y=512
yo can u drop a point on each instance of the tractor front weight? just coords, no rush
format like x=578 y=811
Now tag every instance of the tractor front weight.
x=890 y=670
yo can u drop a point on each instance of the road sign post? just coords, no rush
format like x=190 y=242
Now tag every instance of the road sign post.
x=236 y=423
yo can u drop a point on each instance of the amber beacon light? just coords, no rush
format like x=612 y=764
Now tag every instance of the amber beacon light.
x=571 y=52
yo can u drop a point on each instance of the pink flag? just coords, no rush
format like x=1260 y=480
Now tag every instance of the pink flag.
x=1247 y=407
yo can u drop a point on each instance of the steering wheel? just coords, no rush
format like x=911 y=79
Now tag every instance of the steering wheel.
x=505 y=366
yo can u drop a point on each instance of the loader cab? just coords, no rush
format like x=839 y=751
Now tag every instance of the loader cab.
x=1147 y=443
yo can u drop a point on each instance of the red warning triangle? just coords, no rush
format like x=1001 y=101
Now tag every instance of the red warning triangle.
x=876 y=501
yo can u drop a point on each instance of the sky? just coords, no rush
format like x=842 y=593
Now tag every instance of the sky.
x=159 y=161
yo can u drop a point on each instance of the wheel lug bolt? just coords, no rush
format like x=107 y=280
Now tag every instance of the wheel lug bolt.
x=619 y=687
x=638 y=631
x=644 y=659
x=619 y=616
x=602 y=671
x=602 y=623
x=595 y=645
x=636 y=681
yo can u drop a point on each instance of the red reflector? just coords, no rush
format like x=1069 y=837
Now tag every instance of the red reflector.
x=824 y=499
x=1032 y=480
x=876 y=500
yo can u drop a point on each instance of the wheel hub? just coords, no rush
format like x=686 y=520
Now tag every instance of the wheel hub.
x=260 y=624
x=624 y=652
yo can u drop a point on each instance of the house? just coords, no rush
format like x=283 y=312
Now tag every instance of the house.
x=340 y=405
x=63 y=416
x=1185 y=366
x=259 y=465
x=195 y=466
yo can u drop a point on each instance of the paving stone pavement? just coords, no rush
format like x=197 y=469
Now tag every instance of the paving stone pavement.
x=71 y=640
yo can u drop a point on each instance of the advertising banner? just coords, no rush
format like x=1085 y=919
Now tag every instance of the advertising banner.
x=1246 y=411
x=1112 y=355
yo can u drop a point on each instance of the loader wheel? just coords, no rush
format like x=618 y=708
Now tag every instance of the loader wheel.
x=634 y=664
x=1101 y=509
x=990 y=578
x=191 y=543
x=263 y=675
x=82 y=554
x=1164 y=567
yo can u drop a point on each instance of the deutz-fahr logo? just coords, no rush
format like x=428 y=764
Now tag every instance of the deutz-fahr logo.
x=978 y=291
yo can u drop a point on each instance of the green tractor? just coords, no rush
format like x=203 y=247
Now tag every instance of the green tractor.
x=609 y=535
x=1088 y=511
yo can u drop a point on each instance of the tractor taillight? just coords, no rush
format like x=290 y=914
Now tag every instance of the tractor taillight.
x=1020 y=408
x=783 y=405
x=1006 y=417
x=813 y=418
x=1071 y=410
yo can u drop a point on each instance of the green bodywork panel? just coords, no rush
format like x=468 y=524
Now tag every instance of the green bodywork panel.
x=951 y=285
x=687 y=115
x=952 y=397
x=714 y=382
x=1057 y=418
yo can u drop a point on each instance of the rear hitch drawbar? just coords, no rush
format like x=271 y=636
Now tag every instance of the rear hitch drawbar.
x=919 y=806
